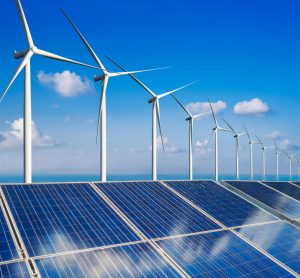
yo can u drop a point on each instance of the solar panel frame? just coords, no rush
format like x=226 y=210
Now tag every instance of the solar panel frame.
x=149 y=219
x=220 y=254
x=281 y=240
x=269 y=197
x=49 y=218
x=226 y=206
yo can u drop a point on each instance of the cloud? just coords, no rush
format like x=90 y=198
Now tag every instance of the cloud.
x=14 y=136
x=202 y=147
x=66 y=119
x=275 y=135
x=287 y=146
x=55 y=106
x=203 y=107
x=66 y=83
x=251 y=107
x=169 y=148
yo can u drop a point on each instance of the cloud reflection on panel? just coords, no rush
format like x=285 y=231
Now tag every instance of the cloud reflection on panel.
x=137 y=260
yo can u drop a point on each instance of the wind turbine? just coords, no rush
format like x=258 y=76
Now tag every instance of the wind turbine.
x=190 y=119
x=298 y=162
x=216 y=130
x=264 y=148
x=25 y=64
x=290 y=156
x=104 y=77
x=237 y=139
x=277 y=152
x=155 y=113
x=251 y=143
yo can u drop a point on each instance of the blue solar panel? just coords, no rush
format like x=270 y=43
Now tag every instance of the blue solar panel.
x=281 y=240
x=268 y=196
x=297 y=183
x=14 y=270
x=225 y=206
x=286 y=188
x=61 y=217
x=155 y=210
x=138 y=260
x=220 y=254
x=8 y=249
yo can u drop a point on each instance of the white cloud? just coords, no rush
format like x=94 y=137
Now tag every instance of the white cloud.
x=14 y=136
x=202 y=147
x=55 y=106
x=275 y=135
x=66 y=83
x=287 y=146
x=66 y=119
x=169 y=148
x=254 y=106
x=203 y=107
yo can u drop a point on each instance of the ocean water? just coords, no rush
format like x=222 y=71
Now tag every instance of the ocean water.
x=95 y=177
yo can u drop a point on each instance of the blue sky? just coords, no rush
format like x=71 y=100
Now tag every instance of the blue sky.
x=241 y=50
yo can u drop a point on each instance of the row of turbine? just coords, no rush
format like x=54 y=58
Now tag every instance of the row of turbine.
x=104 y=77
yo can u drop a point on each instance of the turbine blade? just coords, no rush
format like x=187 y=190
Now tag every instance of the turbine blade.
x=159 y=124
x=20 y=67
x=276 y=147
x=230 y=127
x=133 y=77
x=212 y=111
x=260 y=142
x=212 y=135
x=178 y=89
x=99 y=112
x=182 y=106
x=200 y=115
x=60 y=58
x=247 y=133
x=24 y=23
x=113 y=74
x=91 y=51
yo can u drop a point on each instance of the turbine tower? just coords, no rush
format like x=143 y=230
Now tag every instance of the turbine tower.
x=264 y=148
x=290 y=156
x=104 y=77
x=237 y=140
x=190 y=119
x=154 y=100
x=216 y=130
x=251 y=143
x=277 y=152
x=25 y=64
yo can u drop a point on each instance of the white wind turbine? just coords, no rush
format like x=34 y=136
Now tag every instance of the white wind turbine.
x=251 y=143
x=298 y=162
x=237 y=140
x=290 y=156
x=104 y=77
x=216 y=130
x=264 y=148
x=155 y=113
x=277 y=152
x=27 y=55
x=190 y=119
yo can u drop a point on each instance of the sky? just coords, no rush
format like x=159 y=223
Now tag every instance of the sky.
x=246 y=54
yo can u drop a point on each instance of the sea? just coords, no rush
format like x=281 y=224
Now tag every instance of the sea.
x=39 y=178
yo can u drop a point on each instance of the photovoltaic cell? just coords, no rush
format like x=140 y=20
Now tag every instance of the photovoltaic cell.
x=268 y=196
x=55 y=218
x=138 y=260
x=14 y=270
x=297 y=183
x=154 y=209
x=225 y=206
x=8 y=249
x=286 y=188
x=220 y=254
x=281 y=240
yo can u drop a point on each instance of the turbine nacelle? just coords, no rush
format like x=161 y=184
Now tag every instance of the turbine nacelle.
x=99 y=77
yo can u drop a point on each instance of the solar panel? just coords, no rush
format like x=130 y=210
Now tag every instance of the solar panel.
x=286 y=188
x=281 y=240
x=155 y=210
x=296 y=182
x=14 y=270
x=55 y=218
x=8 y=249
x=138 y=260
x=268 y=196
x=220 y=254
x=225 y=206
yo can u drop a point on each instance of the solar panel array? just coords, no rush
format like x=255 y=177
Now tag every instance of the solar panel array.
x=286 y=188
x=268 y=196
x=138 y=229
